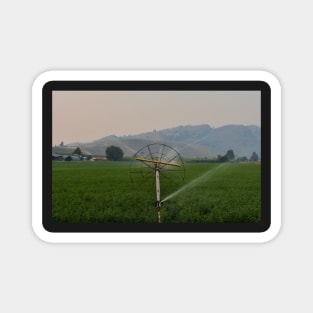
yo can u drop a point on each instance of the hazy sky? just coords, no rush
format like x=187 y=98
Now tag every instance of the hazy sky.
x=84 y=116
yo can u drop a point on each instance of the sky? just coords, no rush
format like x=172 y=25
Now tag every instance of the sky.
x=84 y=116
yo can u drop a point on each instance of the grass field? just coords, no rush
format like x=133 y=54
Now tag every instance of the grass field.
x=103 y=192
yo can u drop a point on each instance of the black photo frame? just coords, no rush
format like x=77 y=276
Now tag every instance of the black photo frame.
x=161 y=85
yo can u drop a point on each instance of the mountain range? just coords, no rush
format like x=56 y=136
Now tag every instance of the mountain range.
x=189 y=140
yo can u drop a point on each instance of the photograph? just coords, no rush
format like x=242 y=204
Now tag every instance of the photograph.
x=156 y=156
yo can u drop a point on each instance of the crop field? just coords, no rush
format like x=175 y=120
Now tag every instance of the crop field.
x=106 y=191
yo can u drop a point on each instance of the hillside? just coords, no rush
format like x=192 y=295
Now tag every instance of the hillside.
x=190 y=141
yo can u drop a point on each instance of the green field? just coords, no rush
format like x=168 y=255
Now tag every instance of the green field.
x=104 y=192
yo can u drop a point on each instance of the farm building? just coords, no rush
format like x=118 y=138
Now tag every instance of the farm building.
x=56 y=156
x=73 y=157
x=99 y=159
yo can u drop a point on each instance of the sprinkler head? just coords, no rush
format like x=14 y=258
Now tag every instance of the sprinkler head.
x=158 y=204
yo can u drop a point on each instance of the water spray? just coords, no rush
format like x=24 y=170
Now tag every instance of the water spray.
x=204 y=177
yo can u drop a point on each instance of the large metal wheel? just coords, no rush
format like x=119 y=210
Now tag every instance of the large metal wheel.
x=166 y=158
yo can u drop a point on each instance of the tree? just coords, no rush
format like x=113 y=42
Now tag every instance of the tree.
x=114 y=153
x=62 y=144
x=221 y=158
x=228 y=157
x=254 y=157
x=242 y=159
x=77 y=151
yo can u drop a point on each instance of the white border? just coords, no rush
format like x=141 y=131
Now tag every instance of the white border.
x=42 y=79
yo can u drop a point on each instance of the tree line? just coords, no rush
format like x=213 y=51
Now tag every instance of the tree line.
x=114 y=153
x=230 y=157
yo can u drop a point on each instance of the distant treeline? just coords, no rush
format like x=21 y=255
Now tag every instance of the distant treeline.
x=200 y=160
x=228 y=157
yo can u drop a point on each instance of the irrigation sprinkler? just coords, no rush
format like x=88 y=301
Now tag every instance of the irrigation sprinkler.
x=159 y=160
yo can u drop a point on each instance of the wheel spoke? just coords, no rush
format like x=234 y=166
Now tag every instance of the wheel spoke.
x=154 y=154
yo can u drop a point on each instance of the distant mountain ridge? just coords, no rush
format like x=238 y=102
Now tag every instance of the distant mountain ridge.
x=188 y=140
